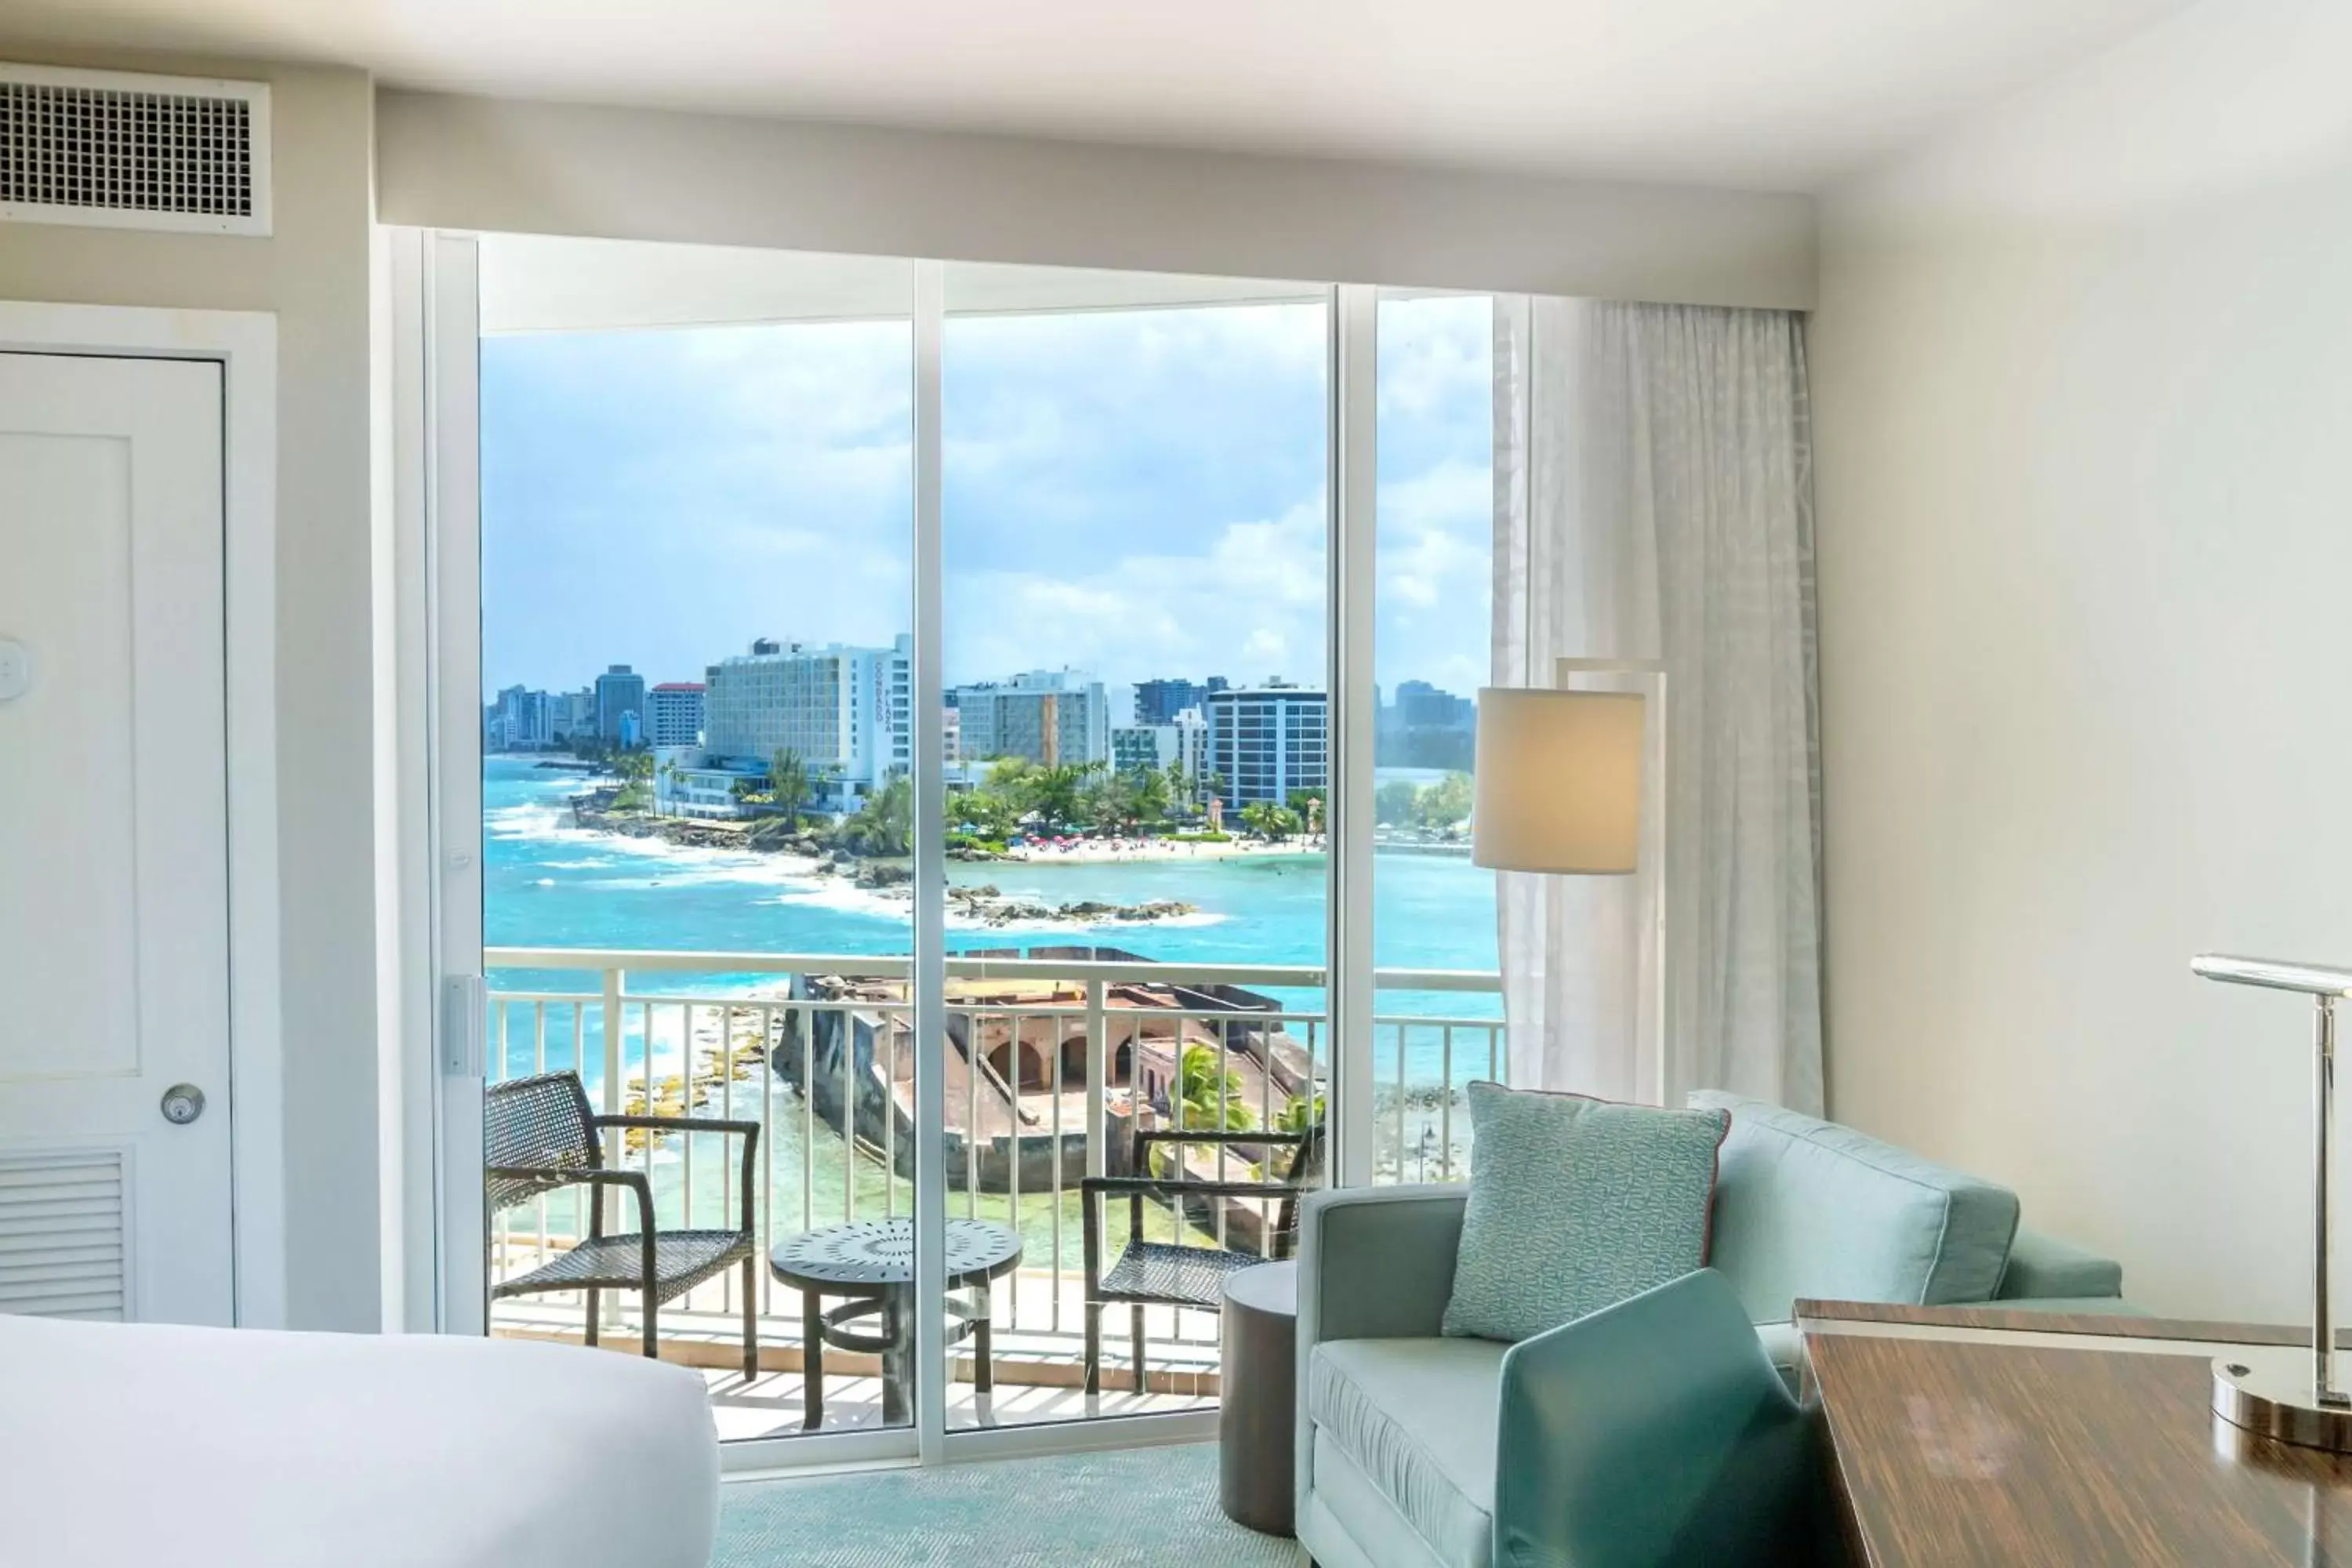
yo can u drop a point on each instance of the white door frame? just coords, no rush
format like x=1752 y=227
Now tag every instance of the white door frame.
x=245 y=344
x=435 y=561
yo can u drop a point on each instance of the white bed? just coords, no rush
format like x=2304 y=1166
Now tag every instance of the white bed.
x=127 y=1445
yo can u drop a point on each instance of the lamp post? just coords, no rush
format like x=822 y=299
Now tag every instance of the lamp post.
x=2273 y=1391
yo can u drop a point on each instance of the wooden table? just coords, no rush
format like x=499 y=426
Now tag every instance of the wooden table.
x=1964 y=1436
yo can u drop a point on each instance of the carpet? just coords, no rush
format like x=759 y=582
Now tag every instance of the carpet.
x=1128 y=1508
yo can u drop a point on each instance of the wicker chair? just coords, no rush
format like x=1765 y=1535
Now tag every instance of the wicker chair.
x=1169 y=1274
x=540 y=1135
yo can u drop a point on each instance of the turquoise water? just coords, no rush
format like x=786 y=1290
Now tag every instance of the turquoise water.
x=550 y=885
x=547 y=884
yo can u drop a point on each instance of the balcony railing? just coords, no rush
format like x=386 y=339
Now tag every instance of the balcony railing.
x=1054 y=1059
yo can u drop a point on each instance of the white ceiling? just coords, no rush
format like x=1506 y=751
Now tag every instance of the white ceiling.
x=1763 y=94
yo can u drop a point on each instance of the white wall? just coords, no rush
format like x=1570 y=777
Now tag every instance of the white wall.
x=314 y=274
x=615 y=174
x=2083 y=376
x=344 y=152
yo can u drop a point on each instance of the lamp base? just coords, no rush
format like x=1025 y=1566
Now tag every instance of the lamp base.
x=2267 y=1390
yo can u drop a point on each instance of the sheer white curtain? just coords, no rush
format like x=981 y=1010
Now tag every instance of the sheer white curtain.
x=1653 y=502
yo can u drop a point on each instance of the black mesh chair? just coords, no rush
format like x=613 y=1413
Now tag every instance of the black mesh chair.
x=540 y=1135
x=1168 y=1273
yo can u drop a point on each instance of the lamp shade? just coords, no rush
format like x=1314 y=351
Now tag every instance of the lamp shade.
x=1560 y=781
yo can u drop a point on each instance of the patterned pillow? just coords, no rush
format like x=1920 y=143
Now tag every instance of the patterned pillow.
x=1577 y=1204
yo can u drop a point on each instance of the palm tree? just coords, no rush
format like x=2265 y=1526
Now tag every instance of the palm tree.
x=1201 y=1092
x=885 y=824
x=1268 y=820
x=788 y=784
x=1303 y=1112
x=636 y=773
x=1057 y=793
x=988 y=812
x=1151 y=797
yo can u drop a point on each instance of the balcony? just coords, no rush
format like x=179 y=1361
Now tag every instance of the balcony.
x=1055 y=1057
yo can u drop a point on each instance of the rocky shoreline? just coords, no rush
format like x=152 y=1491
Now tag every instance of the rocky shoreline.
x=985 y=905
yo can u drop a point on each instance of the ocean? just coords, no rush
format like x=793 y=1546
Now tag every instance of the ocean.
x=549 y=884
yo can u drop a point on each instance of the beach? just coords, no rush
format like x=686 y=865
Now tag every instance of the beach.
x=1129 y=851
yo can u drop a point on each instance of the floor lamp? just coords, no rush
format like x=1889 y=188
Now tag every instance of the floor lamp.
x=1559 y=786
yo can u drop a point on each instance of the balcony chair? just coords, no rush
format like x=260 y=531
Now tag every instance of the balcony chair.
x=1168 y=1273
x=539 y=1135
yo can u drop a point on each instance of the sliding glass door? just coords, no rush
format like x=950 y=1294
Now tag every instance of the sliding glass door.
x=696 y=612
x=1135 y=527
x=888 y=708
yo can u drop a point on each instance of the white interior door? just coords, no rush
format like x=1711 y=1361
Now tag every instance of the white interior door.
x=113 y=842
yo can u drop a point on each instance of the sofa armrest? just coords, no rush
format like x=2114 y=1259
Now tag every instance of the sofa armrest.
x=1658 y=1428
x=1377 y=1263
x=1374 y=1263
x=2044 y=1267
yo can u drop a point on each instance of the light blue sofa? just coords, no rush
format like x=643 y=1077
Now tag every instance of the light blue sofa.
x=1397 y=1426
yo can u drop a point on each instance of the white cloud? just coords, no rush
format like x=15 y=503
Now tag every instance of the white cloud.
x=1248 y=606
x=1139 y=493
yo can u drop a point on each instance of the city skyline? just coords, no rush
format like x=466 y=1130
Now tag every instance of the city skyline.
x=1125 y=492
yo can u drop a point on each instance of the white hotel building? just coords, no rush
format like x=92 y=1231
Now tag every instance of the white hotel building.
x=847 y=712
x=1051 y=717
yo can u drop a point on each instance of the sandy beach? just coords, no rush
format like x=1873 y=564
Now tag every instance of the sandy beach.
x=1108 y=851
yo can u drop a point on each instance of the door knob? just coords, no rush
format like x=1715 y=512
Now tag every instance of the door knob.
x=182 y=1103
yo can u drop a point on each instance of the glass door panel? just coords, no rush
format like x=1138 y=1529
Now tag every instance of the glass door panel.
x=1135 y=525
x=695 y=621
x=1438 y=1019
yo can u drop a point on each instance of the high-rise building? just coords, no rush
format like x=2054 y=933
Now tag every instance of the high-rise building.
x=571 y=715
x=521 y=720
x=677 y=714
x=1266 y=740
x=619 y=690
x=1421 y=706
x=1051 y=717
x=1184 y=743
x=847 y=712
x=1427 y=727
x=1160 y=702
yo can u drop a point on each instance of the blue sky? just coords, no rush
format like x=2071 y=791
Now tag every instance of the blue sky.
x=1138 y=493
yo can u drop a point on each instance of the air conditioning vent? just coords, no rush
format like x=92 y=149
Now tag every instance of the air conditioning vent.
x=63 y=1233
x=133 y=152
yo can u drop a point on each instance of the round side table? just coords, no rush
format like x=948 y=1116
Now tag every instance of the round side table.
x=1257 y=1396
x=872 y=1262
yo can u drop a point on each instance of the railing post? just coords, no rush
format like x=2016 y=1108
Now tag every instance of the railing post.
x=615 y=1146
x=1099 y=1077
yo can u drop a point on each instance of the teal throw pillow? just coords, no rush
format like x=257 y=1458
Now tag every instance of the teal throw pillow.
x=1577 y=1204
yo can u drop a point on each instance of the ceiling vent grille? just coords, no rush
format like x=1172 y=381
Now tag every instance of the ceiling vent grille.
x=133 y=152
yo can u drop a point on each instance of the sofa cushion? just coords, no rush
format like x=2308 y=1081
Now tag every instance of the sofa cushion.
x=1418 y=1418
x=1576 y=1205
x=1808 y=1209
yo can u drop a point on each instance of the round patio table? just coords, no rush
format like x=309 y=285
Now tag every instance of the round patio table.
x=872 y=1263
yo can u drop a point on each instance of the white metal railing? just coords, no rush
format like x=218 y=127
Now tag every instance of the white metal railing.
x=635 y=1021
